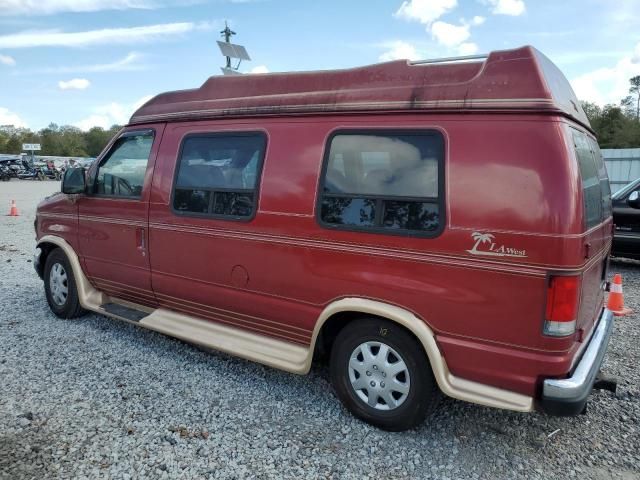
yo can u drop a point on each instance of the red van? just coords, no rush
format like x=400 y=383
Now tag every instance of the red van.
x=432 y=226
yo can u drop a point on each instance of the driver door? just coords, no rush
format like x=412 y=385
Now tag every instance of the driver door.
x=113 y=217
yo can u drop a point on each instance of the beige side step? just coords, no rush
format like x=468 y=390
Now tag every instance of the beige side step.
x=258 y=348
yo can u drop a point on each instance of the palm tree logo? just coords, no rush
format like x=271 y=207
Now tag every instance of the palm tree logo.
x=480 y=238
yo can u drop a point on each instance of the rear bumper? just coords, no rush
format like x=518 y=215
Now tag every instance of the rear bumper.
x=568 y=396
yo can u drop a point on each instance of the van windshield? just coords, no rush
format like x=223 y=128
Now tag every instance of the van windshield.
x=596 y=190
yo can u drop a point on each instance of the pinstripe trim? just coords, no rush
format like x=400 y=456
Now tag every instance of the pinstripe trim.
x=461 y=105
x=263 y=329
x=538 y=270
x=202 y=309
x=407 y=255
x=56 y=215
x=113 y=220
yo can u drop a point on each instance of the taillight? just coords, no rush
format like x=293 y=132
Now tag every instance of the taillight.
x=563 y=299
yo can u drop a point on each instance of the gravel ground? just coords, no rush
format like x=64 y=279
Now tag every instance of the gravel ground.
x=100 y=398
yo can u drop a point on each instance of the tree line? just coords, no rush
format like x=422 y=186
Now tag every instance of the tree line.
x=60 y=141
x=617 y=126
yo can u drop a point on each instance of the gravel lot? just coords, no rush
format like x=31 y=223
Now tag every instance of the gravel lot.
x=99 y=398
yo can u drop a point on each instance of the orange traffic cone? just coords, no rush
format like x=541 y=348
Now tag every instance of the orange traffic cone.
x=13 y=211
x=616 y=298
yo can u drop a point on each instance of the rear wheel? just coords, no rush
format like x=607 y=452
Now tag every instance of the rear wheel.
x=382 y=375
x=60 y=286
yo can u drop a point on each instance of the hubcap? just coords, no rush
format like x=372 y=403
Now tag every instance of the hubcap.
x=379 y=375
x=58 y=284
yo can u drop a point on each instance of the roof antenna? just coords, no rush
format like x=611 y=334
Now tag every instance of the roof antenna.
x=231 y=50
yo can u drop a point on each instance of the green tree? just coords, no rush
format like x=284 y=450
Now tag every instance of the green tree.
x=96 y=139
x=635 y=91
x=14 y=145
x=58 y=140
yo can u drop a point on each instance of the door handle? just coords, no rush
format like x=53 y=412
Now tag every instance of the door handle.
x=141 y=241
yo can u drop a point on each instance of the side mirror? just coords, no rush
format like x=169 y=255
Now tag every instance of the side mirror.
x=634 y=200
x=74 y=181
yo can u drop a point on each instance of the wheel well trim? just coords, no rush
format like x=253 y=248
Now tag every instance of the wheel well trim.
x=89 y=297
x=449 y=384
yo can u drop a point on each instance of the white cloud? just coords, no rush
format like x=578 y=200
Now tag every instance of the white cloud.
x=109 y=36
x=74 y=84
x=608 y=84
x=128 y=63
x=48 y=7
x=7 y=60
x=398 y=50
x=110 y=114
x=428 y=12
x=450 y=35
x=507 y=7
x=636 y=54
x=7 y=117
x=425 y=11
x=259 y=69
x=467 y=48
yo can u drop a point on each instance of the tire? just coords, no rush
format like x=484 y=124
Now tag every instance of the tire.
x=60 y=286
x=403 y=411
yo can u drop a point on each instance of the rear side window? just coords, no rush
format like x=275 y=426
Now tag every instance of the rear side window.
x=389 y=182
x=595 y=182
x=218 y=175
x=603 y=177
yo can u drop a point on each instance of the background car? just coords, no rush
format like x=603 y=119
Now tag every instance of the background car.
x=626 y=217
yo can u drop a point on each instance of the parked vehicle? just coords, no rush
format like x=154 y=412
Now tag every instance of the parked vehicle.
x=626 y=217
x=30 y=171
x=5 y=173
x=12 y=167
x=436 y=226
x=51 y=171
x=39 y=171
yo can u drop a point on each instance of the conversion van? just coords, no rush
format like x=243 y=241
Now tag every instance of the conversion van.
x=429 y=227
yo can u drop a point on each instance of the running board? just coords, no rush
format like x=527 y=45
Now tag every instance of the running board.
x=123 y=311
x=241 y=343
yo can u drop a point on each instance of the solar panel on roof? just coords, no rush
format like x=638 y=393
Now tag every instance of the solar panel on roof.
x=234 y=51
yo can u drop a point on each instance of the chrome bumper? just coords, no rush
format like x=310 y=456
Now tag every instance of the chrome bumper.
x=568 y=396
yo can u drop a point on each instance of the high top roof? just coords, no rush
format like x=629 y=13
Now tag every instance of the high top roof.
x=511 y=80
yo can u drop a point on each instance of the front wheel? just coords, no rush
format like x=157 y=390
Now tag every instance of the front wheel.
x=60 y=286
x=381 y=374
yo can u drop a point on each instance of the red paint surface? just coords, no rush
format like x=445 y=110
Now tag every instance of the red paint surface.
x=512 y=176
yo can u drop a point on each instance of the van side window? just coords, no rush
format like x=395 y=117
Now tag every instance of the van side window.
x=605 y=186
x=218 y=175
x=591 y=188
x=386 y=181
x=121 y=173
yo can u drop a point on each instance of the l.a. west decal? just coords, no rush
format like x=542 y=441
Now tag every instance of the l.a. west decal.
x=486 y=246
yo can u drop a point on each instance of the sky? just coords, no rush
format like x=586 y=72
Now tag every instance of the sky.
x=92 y=62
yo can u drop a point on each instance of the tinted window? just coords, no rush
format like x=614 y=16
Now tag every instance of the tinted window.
x=603 y=177
x=122 y=172
x=218 y=174
x=595 y=182
x=386 y=181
